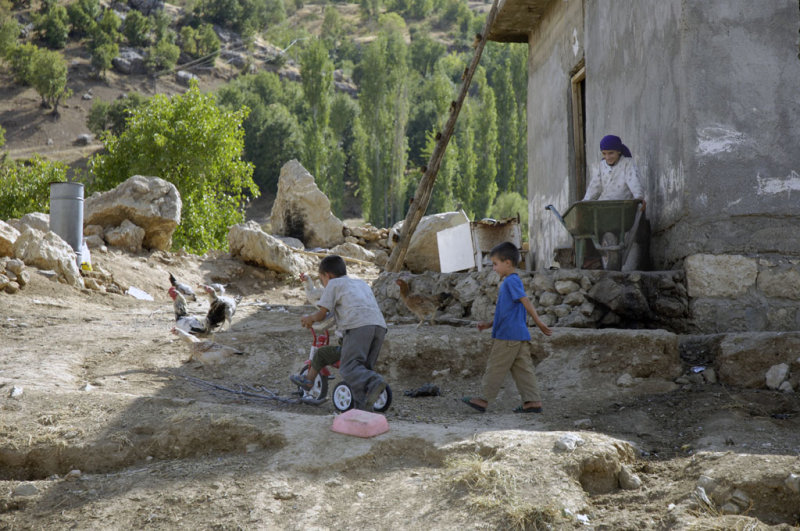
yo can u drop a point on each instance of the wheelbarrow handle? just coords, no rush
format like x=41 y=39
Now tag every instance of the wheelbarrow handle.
x=555 y=212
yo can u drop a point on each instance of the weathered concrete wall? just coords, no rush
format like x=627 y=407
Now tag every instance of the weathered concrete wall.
x=555 y=49
x=704 y=92
x=635 y=87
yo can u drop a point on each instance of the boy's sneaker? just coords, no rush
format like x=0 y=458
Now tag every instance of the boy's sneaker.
x=301 y=381
x=374 y=392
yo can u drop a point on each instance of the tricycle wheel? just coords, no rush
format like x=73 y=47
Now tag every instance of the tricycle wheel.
x=319 y=390
x=384 y=400
x=342 y=397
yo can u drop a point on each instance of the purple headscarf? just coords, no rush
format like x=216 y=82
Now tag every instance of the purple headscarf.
x=614 y=143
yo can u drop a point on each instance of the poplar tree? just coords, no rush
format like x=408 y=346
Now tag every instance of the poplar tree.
x=316 y=69
x=384 y=109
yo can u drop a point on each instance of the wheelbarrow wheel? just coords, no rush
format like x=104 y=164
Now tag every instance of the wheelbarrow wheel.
x=610 y=258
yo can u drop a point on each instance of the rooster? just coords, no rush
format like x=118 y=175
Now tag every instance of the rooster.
x=184 y=321
x=424 y=307
x=182 y=288
x=205 y=351
x=313 y=292
x=221 y=310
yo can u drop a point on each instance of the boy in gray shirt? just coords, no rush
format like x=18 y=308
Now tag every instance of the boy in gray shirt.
x=360 y=319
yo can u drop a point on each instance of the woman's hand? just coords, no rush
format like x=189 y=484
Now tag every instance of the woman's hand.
x=483 y=325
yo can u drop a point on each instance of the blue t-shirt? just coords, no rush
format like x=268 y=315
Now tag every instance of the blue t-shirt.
x=510 y=316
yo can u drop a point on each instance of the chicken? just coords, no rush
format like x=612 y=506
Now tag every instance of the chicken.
x=222 y=308
x=423 y=306
x=205 y=351
x=313 y=292
x=183 y=289
x=184 y=321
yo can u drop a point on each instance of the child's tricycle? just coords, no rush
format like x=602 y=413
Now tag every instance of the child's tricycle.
x=342 y=395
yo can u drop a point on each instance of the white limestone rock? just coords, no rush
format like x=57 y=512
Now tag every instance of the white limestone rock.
x=148 y=202
x=302 y=211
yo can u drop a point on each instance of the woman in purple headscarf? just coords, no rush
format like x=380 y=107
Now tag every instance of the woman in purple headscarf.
x=616 y=177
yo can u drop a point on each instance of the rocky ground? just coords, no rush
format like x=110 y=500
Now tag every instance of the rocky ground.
x=105 y=425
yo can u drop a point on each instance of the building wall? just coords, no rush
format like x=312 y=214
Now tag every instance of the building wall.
x=555 y=49
x=704 y=92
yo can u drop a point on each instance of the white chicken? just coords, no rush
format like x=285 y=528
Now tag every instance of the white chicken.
x=313 y=292
x=205 y=351
x=220 y=312
x=183 y=321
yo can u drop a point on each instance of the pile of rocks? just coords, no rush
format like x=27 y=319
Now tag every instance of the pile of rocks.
x=13 y=275
x=564 y=298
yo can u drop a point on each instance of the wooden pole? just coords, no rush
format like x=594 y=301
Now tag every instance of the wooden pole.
x=422 y=197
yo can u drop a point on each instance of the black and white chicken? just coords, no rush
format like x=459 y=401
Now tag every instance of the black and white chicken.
x=220 y=312
x=183 y=321
x=183 y=289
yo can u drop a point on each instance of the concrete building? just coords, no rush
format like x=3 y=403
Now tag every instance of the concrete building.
x=706 y=93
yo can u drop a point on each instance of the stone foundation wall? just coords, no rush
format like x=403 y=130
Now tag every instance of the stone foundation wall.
x=737 y=293
x=564 y=297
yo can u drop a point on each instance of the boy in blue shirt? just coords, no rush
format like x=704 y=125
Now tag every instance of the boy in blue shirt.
x=511 y=349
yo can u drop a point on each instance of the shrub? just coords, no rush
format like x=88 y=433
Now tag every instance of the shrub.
x=163 y=56
x=193 y=144
x=25 y=186
x=136 y=29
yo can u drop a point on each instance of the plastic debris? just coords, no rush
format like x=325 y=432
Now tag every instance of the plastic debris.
x=140 y=294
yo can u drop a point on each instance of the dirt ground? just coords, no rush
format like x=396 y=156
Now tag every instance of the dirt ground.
x=105 y=425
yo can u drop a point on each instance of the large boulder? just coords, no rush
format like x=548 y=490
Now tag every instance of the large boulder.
x=46 y=250
x=129 y=62
x=148 y=202
x=36 y=220
x=251 y=244
x=302 y=211
x=423 y=251
x=8 y=235
x=127 y=236
x=353 y=250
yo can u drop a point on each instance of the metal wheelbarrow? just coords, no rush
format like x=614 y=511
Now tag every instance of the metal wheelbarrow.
x=611 y=225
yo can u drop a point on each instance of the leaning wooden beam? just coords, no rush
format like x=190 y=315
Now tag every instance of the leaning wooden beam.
x=423 y=195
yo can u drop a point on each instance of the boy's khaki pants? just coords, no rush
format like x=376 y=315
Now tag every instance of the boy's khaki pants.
x=514 y=356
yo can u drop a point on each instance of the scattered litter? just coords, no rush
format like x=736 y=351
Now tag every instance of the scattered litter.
x=700 y=494
x=140 y=294
x=443 y=372
x=425 y=390
x=16 y=392
x=88 y=387
x=698 y=368
x=72 y=475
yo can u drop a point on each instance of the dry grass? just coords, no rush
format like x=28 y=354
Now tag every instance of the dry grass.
x=497 y=489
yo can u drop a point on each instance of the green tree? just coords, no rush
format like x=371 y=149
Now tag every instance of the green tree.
x=104 y=116
x=163 y=56
x=332 y=27
x=507 y=139
x=50 y=78
x=82 y=17
x=25 y=186
x=52 y=26
x=485 y=146
x=384 y=110
x=102 y=57
x=425 y=52
x=195 y=145
x=317 y=80
x=21 y=59
x=136 y=28
x=275 y=139
x=9 y=31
